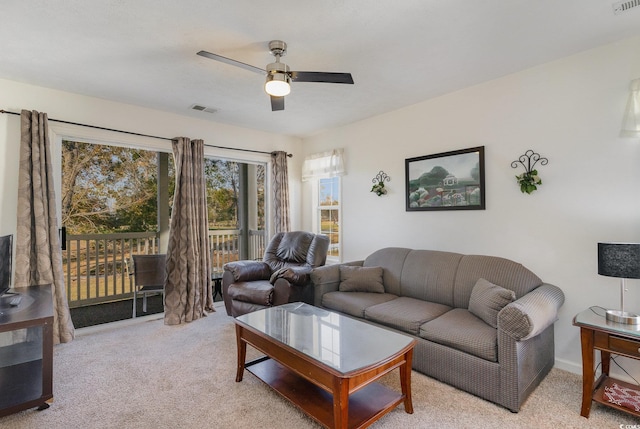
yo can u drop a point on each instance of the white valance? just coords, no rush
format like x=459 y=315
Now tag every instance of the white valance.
x=325 y=164
x=631 y=122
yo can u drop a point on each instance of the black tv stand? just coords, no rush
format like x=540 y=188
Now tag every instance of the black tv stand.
x=26 y=352
x=9 y=301
x=15 y=300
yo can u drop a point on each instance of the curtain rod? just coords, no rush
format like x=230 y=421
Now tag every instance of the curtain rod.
x=143 y=135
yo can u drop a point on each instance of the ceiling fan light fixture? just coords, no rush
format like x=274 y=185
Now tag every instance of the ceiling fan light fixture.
x=279 y=77
x=278 y=84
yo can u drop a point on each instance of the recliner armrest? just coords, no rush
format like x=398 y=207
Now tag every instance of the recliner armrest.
x=247 y=271
x=298 y=276
x=531 y=314
x=296 y=287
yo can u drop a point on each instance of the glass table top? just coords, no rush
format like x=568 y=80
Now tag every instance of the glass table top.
x=340 y=342
x=594 y=317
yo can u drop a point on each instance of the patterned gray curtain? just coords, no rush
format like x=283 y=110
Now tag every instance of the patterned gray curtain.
x=280 y=184
x=38 y=255
x=187 y=289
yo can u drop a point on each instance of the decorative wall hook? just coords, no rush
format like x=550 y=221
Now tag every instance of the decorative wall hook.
x=529 y=180
x=378 y=181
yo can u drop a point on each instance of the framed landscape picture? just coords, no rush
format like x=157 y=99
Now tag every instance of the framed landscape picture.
x=446 y=181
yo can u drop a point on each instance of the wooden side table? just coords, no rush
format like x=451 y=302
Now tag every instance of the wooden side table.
x=596 y=333
x=26 y=351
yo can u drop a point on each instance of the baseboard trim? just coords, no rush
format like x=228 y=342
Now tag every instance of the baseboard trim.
x=568 y=366
x=576 y=368
x=88 y=330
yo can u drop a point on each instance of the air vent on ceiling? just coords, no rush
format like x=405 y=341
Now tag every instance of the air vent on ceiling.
x=623 y=6
x=206 y=109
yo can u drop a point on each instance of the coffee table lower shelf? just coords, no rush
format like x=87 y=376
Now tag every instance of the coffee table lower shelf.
x=365 y=405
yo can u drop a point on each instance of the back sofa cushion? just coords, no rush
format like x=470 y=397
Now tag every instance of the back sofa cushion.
x=361 y=279
x=429 y=275
x=391 y=259
x=504 y=272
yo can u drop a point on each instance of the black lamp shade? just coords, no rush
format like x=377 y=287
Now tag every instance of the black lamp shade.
x=619 y=260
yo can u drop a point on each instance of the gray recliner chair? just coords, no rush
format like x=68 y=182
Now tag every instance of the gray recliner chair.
x=281 y=277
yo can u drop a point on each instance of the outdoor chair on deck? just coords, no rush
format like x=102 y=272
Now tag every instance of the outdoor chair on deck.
x=149 y=273
x=281 y=277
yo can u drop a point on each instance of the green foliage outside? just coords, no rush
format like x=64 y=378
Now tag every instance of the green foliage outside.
x=107 y=189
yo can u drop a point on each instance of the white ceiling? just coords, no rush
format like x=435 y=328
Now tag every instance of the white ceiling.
x=400 y=52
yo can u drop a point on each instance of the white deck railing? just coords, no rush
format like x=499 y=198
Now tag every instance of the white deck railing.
x=96 y=270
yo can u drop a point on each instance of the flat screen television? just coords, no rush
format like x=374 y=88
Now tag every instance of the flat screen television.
x=6 y=248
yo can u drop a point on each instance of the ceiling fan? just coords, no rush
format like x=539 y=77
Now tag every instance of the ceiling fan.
x=279 y=77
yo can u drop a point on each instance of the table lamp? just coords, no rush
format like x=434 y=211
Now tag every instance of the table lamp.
x=620 y=260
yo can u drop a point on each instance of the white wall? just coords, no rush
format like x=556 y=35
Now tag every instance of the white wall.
x=81 y=109
x=569 y=111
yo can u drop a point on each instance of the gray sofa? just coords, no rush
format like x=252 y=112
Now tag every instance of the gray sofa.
x=484 y=324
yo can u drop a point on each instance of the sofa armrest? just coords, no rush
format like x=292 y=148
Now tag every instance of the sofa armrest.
x=531 y=314
x=248 y=271
x=326 y=279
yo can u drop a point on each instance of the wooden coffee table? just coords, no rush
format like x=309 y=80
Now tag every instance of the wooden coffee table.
x=326 y=363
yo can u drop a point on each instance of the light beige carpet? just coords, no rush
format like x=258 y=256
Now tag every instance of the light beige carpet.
x=148 y=375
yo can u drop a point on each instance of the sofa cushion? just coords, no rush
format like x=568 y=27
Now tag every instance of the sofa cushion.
x=405 y=314
x=391 y=259
x=354 y=303
x=504 y=272
x=361 y=279
x=429 y=275
x=488 y=299
x=461 y=330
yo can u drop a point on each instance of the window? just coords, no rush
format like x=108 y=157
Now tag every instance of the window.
x=329 y=214
x=116 y=198
x=108 y=189
x=223 y=179
x=236 y=210
x=111 y=197
x=324 y=170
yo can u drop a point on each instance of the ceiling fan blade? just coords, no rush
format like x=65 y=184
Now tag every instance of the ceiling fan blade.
x=232 y=62
x=327 y=77
x=277 y=103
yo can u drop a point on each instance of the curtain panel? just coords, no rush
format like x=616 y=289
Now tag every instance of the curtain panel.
x=324 y=164
x=280 y=186
x=188 y=294
x=38 y=254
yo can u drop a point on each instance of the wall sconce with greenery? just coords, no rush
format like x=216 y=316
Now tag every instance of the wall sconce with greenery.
x=529 y=180
x=378 y=181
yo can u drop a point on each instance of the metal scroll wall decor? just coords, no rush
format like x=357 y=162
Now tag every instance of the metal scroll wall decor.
x=529 y=180
x=378 y=181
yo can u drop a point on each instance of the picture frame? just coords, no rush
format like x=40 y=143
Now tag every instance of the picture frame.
x=446 y=181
